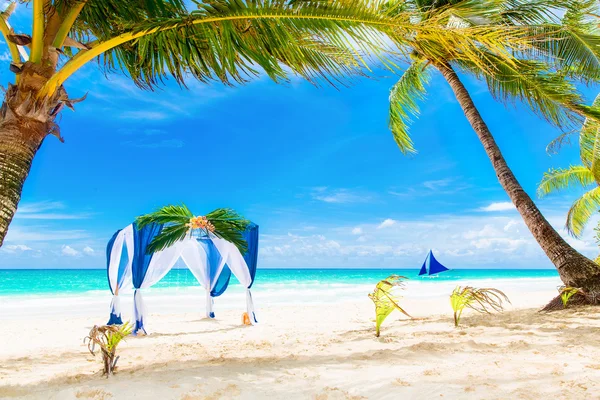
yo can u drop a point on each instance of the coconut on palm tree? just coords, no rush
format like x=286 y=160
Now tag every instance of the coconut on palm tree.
x=540 y=74
x=228 y=41
x=586 y=176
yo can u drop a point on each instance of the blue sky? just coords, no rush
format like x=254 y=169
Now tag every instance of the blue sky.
x=316 y=168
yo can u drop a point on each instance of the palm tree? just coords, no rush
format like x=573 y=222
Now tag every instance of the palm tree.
x=539 y=75
x=585 y=175
x=230 y=41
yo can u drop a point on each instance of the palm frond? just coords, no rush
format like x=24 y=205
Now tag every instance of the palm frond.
x=168 y=236
x=572 y=51
x=579 y=14
x=229 y=225
x=166 y=215
x=589 y=143
x=581 y=211
x=404 y=98
x=386 y=300
x=177 y=224
x=532 y=12
x=559 y=179
x=107 y=338
x=232 y=41
x=546 y=93
x=567 y=292
x=564 y=139
x=482 y=300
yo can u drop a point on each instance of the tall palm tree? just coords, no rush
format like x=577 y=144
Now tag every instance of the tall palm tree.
x=586 y=175
x=539 y=75
x=229 y=41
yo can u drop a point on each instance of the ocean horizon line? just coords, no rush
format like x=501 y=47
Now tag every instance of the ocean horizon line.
x=307 y=269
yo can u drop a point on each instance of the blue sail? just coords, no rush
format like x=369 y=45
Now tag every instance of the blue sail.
x=423 y=270
x=434 y=265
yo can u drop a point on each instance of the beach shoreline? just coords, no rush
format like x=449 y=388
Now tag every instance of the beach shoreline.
x=325 y=350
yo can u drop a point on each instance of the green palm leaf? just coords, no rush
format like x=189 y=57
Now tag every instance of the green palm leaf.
x=559 y=179
x=385 y=300
x=589 y=144
x=580 y=175
x=180 y=214
x=228 y=225
x=546 y=93
x=581 y=211
x=404 y=98
x=233 y=40
x=484 y=300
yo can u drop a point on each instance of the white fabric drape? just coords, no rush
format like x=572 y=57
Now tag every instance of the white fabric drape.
x=162 y=262
x=125 y=237
x=117 y=284
x=236 y=263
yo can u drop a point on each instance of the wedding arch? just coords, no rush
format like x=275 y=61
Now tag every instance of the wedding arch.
x=210 y=258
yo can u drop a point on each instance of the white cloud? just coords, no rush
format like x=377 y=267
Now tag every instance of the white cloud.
x=46 y=210
x=327 y=195
x=438 y=184
x=468 y=241
x=14 y=248
x=357 y=231
x=499 y=206
x=160 y=144
x=42 y=234
x=40 y=206
x=69 y=251
x=88 y=250
x=144 y=115
x=387 y=223
x=510 y=225
x=444 y=186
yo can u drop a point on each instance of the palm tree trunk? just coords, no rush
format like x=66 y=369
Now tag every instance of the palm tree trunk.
x=575 y=270
x=20 y=139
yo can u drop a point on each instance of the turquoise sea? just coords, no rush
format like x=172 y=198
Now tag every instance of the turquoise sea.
x=49 y=282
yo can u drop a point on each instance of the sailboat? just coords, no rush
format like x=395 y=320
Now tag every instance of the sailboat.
x=431 y=266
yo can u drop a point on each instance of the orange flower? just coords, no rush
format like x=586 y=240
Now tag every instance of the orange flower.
x=201 y=222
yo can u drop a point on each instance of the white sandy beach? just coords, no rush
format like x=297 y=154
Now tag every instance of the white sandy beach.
x=325 y=349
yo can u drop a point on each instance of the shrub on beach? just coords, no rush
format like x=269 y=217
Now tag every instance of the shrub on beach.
x=107 y=337
x=483 y=300
x=567 y=292
x=386 y=300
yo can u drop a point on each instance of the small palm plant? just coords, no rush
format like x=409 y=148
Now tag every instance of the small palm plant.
x=179 y=221
x=386 y=300
x=567 y=292
x=483 y=300
x=107 y=337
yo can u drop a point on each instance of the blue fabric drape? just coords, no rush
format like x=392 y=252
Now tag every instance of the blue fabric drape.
x=115 y=313
x=222 y=282
x=141 y=260
x=113 y=319
x=214 y=260
x=109 y=248
x=251 y=256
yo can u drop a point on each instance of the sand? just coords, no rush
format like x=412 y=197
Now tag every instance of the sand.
x=325 y=351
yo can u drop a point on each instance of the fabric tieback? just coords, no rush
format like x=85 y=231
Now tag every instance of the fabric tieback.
x=209 y=305
x=250 y=307
x=115 y=311
x=139 y=313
